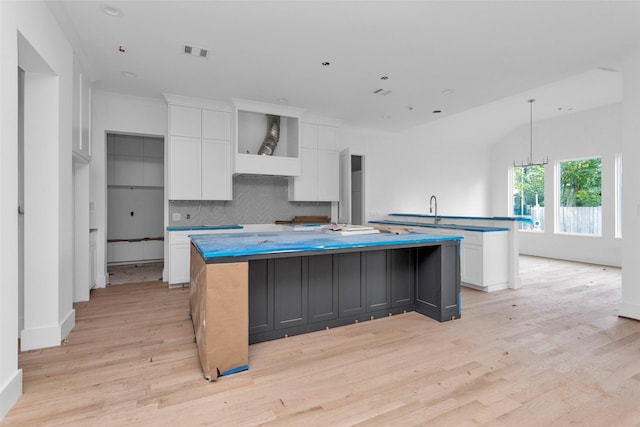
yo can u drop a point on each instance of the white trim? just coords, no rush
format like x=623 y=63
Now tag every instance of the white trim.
x=629 y=310
x=10 y=392
x=48 y=336
x=67 y=324
x=202 y=103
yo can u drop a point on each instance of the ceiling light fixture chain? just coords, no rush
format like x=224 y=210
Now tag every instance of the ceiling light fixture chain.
x=530 y=161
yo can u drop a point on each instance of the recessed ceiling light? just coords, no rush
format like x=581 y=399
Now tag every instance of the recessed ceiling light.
x=410 y=107
x=112 y=11
x=129 y=74
x=384 y=78
x=437 y=111
x=283 y=100
x=448 y=91
x=122 y=48
x=326 y=63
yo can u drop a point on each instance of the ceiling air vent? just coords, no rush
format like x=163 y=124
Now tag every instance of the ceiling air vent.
x=195 y=51
x=381 y=92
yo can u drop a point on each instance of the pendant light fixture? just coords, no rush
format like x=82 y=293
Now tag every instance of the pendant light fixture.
x=530 y=161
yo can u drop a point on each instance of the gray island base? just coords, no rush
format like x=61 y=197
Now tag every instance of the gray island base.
x=252 y=287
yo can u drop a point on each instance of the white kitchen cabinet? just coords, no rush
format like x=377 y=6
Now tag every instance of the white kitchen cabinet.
x=483 y=257
x=199 y=150
x=216 y=125
x=328 y=176
x=327 y=137
x=179 y=263
x=152 y=250
x=185 y=174
x=138 y=251
x=216 y=170
x=305 y=186
x=319 y=179
x=185 y=121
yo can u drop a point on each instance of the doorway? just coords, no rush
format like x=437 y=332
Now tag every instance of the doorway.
x=20 y=200
x=357 y=212
x=352 y=188
x=135 y=208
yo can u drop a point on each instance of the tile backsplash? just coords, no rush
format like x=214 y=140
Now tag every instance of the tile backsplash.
x=256 y=200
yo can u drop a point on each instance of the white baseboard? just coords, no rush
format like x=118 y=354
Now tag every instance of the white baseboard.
x=48 y=336
x=10 y=393
x=67 y=324
x=629 y=310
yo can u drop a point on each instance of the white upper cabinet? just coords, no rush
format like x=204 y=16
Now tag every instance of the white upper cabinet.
x=253 y=121
x=185 y=121
x=319 y=180
x=200 y=149
x=185 y=173
x=216 y=125
x=327 y=137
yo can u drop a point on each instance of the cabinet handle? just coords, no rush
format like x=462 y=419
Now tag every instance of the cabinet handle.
x=20 y=210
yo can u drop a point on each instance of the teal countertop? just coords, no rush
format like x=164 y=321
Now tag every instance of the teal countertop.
x=226 y=245
x=524 y=219
x=205 y=227
x=477 y=228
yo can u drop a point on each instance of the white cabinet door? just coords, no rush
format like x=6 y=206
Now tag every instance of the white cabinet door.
x=471 y=264
x=152 y=249
x=327 y=137
x=185 y=182
x=309 y=135
x=216 y=170
x=304 y=188
x=185 y=121
x=216 y=125
x=180 y=265
x=328 y=176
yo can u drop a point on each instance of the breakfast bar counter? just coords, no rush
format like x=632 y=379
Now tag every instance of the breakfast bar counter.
x=253 y=287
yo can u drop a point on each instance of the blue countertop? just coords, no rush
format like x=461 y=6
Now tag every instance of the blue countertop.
x=205 y=227
x=478 y=228
x=524 y=219
x=225 y=245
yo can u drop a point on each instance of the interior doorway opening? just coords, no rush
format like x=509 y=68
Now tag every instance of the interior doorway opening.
x=135 y=208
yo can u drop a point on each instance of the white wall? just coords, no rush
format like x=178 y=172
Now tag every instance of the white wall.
x=117 y=113
x=31 y=37
x=593 y=133
x=630 y=302
x=402 y=171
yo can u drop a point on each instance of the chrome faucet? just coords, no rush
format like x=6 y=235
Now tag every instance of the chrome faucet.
x=431 y=200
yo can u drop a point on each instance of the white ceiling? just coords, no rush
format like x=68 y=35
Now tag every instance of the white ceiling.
x=493 y=54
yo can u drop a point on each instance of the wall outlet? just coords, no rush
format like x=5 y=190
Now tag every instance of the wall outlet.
x=176 y=217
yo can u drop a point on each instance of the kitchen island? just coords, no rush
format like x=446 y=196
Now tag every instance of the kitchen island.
x=252 y=287
x=503 y=257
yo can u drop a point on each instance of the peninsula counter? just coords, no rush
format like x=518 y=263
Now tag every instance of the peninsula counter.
x=253 y=287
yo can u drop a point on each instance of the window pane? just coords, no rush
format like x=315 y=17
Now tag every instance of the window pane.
x=580 y=204
x=528 y=195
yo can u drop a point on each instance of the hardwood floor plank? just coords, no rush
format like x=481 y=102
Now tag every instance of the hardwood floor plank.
x=551 y=353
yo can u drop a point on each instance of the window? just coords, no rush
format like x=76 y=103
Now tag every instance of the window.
x=618 y=191
x=580 y=197
x=528 y=195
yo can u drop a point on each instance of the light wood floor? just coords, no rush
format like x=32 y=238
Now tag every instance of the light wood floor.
x=552 y=353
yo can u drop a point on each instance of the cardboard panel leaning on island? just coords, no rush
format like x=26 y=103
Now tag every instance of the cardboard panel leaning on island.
x=218 y=300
